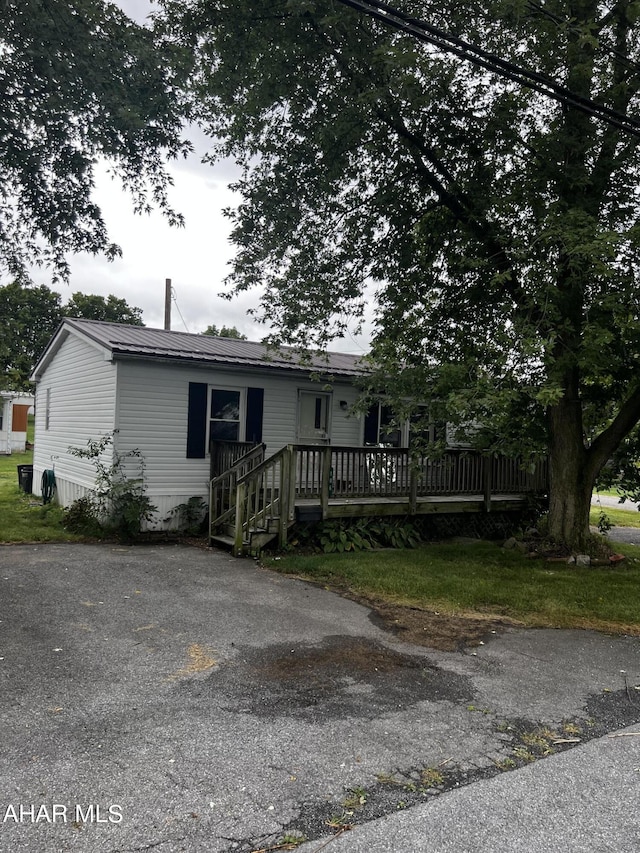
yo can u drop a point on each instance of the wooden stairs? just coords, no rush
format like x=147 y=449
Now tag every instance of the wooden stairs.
x=252 y=503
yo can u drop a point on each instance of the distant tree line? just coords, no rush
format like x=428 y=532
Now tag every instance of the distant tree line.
x=29 y=315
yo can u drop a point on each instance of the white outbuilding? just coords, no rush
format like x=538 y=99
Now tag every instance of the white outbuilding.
x=14 y=410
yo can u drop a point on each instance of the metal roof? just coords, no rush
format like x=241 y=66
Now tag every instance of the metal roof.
x=143 y=342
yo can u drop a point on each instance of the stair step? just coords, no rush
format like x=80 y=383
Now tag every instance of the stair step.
x=223 y=541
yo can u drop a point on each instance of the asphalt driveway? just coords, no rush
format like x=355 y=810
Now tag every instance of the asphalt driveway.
x=170 y=699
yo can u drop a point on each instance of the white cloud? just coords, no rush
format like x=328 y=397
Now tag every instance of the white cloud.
x=194 y=257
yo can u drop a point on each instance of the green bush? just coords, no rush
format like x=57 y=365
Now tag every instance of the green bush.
x=118 y=504
x=191 y=516
x=362 y=534
x=81 y=517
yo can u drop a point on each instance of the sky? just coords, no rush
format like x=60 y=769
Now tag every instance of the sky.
x=195 y=257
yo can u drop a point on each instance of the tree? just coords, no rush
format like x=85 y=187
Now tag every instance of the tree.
x=79 y=82
x=30 y=315
x=93 y=307
x=224 y=332
x=28 y=318
x=493 y=231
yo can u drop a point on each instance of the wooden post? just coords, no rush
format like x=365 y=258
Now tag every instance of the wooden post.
x=413 y=488
x=241 y=491
x=292 y=480
x=167 y=304
x=285 y=494
x=210 y=510
x=487 y=463
x=326 y=476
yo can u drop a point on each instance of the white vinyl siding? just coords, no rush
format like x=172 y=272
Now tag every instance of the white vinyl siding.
x=75 y=402
x=145 y=404
x=152 y=417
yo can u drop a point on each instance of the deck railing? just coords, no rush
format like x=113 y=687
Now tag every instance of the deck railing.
x=387 y=472
x=224 y=454
x=261 y=494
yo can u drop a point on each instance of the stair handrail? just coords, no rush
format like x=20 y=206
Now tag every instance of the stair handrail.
x=258 y=450
x=262 y=466
x=245 y=489
x=230 y=478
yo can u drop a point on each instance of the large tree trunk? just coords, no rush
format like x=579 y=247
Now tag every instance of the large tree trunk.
x=571 y=477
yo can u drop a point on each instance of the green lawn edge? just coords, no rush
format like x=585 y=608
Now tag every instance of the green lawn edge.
x=485 y=580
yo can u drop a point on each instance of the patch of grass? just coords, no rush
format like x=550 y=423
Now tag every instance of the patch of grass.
x=355 y=799
x=539 y=740
x=24 y=518
x=619 y=517
x=431 y=777
x=609 y=493
x=484 y=579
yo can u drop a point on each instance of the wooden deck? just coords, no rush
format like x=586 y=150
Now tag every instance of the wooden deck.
x=258 y=499
x=307 y=509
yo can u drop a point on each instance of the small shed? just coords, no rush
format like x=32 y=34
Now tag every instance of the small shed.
x=14 y=411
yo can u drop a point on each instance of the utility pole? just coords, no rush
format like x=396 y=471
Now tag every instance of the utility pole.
x=167 y=304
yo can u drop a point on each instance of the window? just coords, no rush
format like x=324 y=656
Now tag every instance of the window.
x=224 y=415
x=379 y=427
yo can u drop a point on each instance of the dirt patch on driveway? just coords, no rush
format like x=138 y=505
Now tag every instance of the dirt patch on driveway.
x=340 y=677
x=435 y=630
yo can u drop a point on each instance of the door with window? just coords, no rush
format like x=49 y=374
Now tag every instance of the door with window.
x=313 y=417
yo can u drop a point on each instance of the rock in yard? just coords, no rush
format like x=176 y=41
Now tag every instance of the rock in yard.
x=583 y=560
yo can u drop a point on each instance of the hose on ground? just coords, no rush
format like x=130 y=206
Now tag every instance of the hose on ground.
x=48 y=485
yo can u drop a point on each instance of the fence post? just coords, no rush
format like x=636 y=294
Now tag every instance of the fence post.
x=326 y=476
x=487 y=463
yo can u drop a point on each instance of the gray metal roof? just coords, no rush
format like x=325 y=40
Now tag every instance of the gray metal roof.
x=143 y=342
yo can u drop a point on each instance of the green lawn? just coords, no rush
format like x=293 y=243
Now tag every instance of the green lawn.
x=24 y=518
x=485 y=579
x=449 y=577
x=618 y=516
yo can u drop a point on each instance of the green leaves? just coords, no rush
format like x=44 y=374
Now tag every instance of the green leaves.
x=79 y=82
x=487 y=231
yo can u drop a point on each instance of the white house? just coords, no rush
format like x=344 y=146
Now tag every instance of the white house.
x=14 y=409
x=171 y=394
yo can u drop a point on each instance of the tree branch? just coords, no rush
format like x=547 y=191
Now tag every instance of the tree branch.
x=603 y=446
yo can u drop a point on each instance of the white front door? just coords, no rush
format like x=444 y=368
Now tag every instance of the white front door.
x=313 y=417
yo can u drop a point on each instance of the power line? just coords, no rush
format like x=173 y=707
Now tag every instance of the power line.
x=489 y=61
x=559 y=21
x=175 y=302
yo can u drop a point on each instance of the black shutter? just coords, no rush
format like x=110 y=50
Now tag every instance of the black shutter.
x=255 y=407
x=197 y=421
